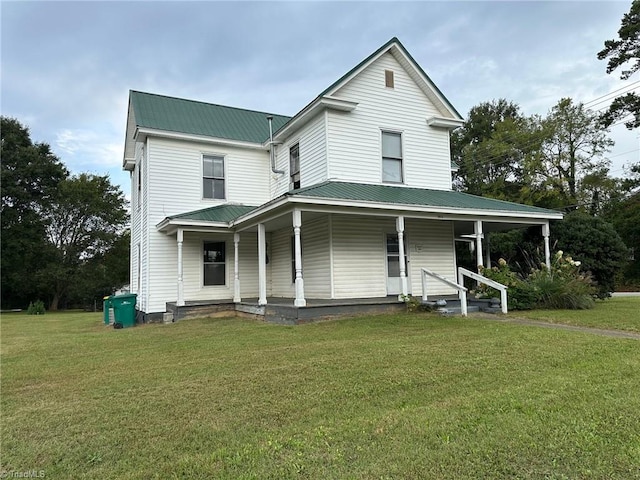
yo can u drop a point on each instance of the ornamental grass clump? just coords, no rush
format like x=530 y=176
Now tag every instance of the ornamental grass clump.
x=563 y=286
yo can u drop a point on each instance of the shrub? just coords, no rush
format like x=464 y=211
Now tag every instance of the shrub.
x=596 y=243
x=563 y=286
x=36 y=308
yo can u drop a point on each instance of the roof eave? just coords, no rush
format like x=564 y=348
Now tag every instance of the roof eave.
x=443 y=122
x=170 y=225
x=307 y=113
x=142 y=132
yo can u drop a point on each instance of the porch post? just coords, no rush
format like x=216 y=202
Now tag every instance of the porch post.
x=262 y=266
x=547 y=249
x=297 y=223
x=236 y=270
x=479 y=237
x=401 y=253
x=180 y=238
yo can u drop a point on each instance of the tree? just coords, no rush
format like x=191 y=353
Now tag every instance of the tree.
x=30 y=174
x=595 y=243
x=573 y=147
x=489 y=150
x=83 y=222
x=620 y=52
x=625 y=217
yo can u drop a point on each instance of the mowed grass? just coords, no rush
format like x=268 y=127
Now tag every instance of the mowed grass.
x=617 y=313
x=404 y=396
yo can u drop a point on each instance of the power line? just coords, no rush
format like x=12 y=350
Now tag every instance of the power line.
x=631 y=86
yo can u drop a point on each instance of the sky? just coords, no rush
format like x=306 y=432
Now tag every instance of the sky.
x=67 y=67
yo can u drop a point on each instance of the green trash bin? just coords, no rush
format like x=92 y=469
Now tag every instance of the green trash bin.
x=107 y=310
x=124 y=307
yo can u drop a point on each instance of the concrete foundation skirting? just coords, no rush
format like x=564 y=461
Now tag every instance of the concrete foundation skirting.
x=279 y=313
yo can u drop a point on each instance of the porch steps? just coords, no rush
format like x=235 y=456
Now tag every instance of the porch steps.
x=453 y=307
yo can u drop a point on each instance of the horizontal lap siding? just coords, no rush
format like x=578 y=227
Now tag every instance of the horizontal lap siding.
x=359 y=255
x=313 y=167
x=354 y=138
x=315 y=250
x=248 y=260
x=430 y=244
x=280 y=263
x=175 y=179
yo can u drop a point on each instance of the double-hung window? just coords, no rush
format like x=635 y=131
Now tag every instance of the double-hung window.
x=213 y=177
x=294 y=167
x=214 y=263
x=391 y=157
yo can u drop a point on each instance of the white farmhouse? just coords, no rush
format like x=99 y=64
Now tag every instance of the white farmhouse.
x=237 y=210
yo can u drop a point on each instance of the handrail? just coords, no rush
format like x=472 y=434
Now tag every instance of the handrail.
x=462 y=290
x=462 y=272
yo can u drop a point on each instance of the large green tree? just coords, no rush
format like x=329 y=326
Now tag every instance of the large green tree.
x=489 y=150
x=30 y=175
x=624 y=53
x=84 y=221
x=574 y=146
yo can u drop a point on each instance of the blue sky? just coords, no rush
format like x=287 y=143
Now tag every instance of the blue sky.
x=67 y=67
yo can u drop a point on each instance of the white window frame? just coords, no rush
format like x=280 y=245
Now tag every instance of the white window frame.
x=204 y=177
x=397 y=159
x=224 y=263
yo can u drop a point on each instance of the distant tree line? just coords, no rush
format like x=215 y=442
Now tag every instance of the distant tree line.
x=63 y=239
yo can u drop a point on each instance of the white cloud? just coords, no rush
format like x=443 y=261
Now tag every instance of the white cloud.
x=87 y=150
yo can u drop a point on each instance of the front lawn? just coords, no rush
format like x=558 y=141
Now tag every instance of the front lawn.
x=403 y=396
x=617 y=313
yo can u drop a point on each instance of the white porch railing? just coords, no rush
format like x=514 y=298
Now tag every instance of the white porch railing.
x=463 y=272
x=462 y=291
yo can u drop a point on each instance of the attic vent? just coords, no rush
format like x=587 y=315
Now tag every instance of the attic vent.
x=388 y=78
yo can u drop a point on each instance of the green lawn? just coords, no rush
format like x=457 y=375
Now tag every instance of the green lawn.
x=404 y=396
x=617 y=313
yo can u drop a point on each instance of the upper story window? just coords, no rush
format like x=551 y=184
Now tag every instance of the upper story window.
x=294 y=167
x=391 y=157
x=388 y=78
x=212 y=177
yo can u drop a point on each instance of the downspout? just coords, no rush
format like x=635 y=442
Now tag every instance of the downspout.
x=272 y=148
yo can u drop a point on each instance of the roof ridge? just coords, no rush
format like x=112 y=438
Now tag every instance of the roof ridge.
x=190 y=100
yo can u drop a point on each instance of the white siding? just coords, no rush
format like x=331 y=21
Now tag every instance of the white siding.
x=430 y=244
x=176 y=176
x=315 y=250
x=313 y=165
x=354 y=149
x=280 y=262
x=359 y=256
x=359 y=253
x=175 y=179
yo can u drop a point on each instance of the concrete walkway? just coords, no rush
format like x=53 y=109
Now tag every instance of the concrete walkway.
x=625 y=294
x=559 y=326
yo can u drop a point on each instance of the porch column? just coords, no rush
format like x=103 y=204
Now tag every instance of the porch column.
x=297 y=223
x=547 y=249
x=180 y=238
x=479 y=237
x=401 y=253
x=262 y=266
x=236 y=270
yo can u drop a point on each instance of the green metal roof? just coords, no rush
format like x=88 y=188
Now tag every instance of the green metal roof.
x=199 y=118
x=412 y=196
x=220 y=213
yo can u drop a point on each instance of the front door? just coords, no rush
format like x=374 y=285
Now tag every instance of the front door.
x=394 y=286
